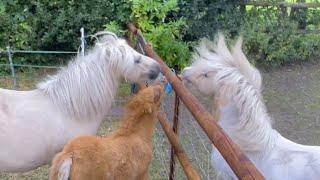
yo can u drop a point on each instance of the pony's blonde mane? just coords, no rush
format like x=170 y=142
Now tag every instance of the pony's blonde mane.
x=239 y=83
x=87 y=86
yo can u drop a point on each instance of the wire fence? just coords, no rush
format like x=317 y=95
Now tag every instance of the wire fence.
x=13 y=65
x=194 y=140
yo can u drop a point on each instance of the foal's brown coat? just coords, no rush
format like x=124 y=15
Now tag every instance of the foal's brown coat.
x=126 y=154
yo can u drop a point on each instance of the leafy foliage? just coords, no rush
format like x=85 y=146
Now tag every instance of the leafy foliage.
x=114 y=27
x=205 y=17
x=54 y=25
x=165 y=34
x=14 y=27
x=272 y=39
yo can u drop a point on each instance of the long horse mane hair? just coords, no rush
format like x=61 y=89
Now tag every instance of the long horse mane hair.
x=219 y=51
x=87 y=85
x=240 y=83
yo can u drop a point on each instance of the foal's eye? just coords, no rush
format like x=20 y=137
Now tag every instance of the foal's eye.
x=137 y=59
x=205 y=75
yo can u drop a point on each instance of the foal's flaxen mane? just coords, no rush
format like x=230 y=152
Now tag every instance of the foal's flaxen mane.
x=87 y=86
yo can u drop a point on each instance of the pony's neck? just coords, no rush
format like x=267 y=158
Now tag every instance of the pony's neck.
x=142 y=126
x=245 y=117
x=86 y=88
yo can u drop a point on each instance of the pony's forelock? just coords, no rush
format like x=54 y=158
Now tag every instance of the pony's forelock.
x=236 y=80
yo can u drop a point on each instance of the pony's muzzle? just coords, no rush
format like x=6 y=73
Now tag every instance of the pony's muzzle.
x=185 y=75
x=154 y=72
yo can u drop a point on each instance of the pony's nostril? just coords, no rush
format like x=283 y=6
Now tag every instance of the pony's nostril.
x=154 y=72
x=157 y=68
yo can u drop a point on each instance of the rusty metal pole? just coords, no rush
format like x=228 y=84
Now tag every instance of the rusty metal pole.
x=239 y=163
x=175 y=125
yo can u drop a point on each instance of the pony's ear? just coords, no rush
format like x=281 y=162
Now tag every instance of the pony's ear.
x=107 y=38
x=106 y=34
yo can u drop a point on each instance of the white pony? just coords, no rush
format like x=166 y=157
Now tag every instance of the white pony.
x=229 y=76
x=35 y=125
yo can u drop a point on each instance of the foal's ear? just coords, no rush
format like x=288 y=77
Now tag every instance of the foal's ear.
x=158 y=91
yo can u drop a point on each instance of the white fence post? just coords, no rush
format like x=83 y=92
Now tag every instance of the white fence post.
x=14 y=80
x=82 y=41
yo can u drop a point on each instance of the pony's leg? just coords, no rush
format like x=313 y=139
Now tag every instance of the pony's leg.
x=216 y=109
x=215 y=113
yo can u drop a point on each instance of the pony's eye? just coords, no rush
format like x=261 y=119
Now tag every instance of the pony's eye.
x=205 y=75
x=137 y=59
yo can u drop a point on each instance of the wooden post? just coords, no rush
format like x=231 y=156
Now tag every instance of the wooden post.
x=186 y=165
x=239 y=163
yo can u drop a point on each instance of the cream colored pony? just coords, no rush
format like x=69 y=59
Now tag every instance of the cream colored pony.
x=243 y=115
x=35 y=125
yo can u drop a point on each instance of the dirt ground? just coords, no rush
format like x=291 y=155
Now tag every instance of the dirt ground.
x=292 y=95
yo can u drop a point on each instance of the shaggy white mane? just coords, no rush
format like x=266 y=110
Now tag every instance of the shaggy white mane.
x=218 y=51
x=251 y=125
x=87 y=86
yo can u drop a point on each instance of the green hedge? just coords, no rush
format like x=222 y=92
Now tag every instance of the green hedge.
x=55 y=25
x=271 y=37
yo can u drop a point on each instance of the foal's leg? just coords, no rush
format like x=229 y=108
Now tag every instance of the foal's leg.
x=144 y=176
